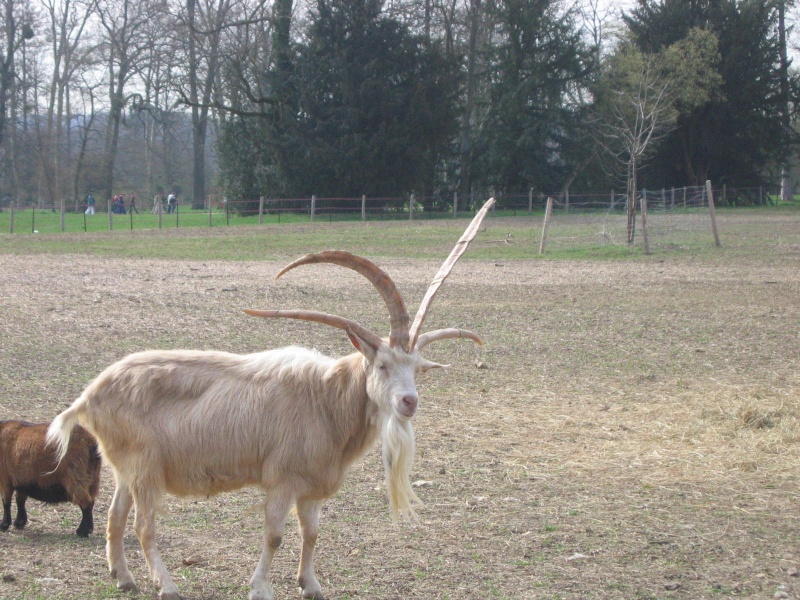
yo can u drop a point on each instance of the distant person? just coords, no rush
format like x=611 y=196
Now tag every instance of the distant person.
x=172 y=203
x=132 y=204
x=89 y=204
x=157 y=207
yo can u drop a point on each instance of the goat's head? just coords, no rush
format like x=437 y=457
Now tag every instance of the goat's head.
x=393 y=364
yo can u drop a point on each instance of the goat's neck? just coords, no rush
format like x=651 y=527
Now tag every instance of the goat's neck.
x=355 y=416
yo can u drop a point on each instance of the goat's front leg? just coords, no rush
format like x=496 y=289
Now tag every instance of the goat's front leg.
x=115 y=552
x=308 y=517
x=275 y=512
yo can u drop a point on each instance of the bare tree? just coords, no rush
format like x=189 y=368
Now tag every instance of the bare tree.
x=123 y=23
x=636 y=112
x=205 y=23
x=67 y=22
x=16 y=29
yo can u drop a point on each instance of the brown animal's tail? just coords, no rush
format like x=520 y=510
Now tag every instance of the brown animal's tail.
x=60 y=429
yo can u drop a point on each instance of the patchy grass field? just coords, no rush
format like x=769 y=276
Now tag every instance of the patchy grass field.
x=631 y=428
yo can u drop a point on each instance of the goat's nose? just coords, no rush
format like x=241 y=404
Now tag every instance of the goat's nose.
x=408 y=404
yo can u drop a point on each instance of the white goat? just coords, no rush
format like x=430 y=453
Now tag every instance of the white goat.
x=289 y=421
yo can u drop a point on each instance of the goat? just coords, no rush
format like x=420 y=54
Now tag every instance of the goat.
x=31 y=469
x=290 y=421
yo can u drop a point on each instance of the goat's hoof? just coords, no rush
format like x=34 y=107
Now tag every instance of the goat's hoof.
x=128 y=586
x=20 y=524
x=83 y=532
x=4 y=526
x=169 y=596
x=317 y=595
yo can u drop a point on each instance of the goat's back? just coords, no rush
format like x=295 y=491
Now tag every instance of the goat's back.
x=198 y=423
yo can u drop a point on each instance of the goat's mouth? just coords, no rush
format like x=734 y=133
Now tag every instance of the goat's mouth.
x=406 y=413
x=406 y=407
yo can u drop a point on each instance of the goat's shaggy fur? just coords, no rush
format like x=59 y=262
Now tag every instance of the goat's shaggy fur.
x=290 y=421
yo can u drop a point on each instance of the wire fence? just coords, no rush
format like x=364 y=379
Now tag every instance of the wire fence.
x=605 y=209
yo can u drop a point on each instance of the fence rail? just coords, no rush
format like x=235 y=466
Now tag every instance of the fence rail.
x=220 y=212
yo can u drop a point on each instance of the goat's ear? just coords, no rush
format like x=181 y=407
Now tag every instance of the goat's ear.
x=362 y=345
x=427 y=365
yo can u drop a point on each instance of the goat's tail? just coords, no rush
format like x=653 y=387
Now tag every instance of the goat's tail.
x=60 y=429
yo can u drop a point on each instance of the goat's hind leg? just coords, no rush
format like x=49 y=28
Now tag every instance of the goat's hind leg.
x=308 y=518
x=115 y=551
x=144 y=524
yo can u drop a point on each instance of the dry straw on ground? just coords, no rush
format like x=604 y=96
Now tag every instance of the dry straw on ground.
x=631 y=429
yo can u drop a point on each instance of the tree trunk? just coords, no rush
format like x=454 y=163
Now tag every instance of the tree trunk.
x=786 y=170
x=631 y=202
x=469 y=106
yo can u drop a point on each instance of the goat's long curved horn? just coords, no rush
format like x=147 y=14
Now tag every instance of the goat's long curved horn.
x=398 y=316
x=468 y=235
x=320 y=317
x=443 y=334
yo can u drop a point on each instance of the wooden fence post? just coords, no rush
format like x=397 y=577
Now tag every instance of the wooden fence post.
x=110 y=217
x=566 y=200
x=547 y=212
x=261 y=210
x=411 y=202
x=11 y=207
x=455 y=205
x=712 y=213
x=530 y=199
x=210 y=214
x=63 y=211
x=645 y=237
x=363 y=207
x=313 y=206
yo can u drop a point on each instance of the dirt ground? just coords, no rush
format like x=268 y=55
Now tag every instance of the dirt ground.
x=631 y=429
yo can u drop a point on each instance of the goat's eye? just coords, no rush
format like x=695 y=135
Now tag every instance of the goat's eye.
x=383 y=367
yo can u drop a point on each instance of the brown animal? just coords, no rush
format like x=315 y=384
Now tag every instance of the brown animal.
x=290 y=421
x=31 y=468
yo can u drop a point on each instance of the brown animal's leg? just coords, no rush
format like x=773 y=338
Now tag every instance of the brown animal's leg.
x=308 y=517
x=87 y=521
x=144 y=524
x=276 y=509
x=6 y=492
x=22 y=514
x=117 y=520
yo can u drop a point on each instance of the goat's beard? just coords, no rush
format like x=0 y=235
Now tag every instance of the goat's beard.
x=398 y=458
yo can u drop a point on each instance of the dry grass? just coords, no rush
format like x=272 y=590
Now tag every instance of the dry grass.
x=635 y=432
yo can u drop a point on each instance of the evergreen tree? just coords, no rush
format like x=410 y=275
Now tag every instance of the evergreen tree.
x=538 y=65
x=376 y=106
